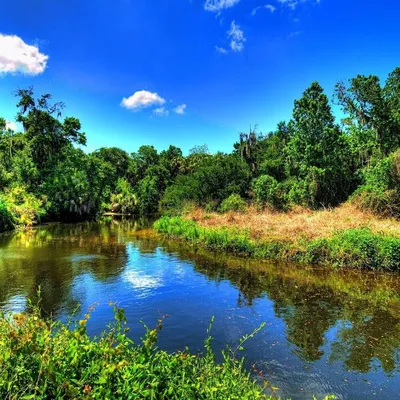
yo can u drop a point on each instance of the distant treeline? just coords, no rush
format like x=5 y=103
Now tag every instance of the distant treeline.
x=310 y=160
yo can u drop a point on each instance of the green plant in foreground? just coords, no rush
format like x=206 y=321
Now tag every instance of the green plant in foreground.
x=41 y=359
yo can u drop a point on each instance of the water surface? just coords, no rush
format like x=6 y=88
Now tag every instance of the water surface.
x=326 y=331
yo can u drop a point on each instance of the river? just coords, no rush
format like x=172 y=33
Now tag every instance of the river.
x=326 y=331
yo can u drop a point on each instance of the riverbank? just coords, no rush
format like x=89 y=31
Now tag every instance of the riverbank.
x=342 y=237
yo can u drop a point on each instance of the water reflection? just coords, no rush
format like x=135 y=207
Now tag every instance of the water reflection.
x=322 y=323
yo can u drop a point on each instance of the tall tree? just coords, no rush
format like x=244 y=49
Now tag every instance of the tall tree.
x=316 y=150
x=373 y=107
x=46 y=133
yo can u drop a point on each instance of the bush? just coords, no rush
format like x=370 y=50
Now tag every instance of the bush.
x=265 y=189
x=48 y=360
x=124 y=200
x=380 y=192
x=233 y=203
x=358 y=248
x=20 y=208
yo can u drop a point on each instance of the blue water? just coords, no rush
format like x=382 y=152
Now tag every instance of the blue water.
x=319 y=337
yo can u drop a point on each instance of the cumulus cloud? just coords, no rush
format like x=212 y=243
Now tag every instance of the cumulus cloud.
x=18 y=57
x=236 y=36
x=180 y=109
x=269 y=7
x=219 y=5
x=11 y=125
x=142 y=99
x=161 y=112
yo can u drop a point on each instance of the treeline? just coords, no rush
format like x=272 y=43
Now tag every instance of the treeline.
x=310 y=160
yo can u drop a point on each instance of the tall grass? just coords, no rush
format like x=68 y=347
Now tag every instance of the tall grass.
x=360 y=248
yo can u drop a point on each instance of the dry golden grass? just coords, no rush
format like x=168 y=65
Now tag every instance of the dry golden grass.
x=299 y=223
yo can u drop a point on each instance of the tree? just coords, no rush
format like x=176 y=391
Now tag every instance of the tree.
x=46 y=134
x=172 y=160
x=316 y=151
x=373 y=108
x=247 y=148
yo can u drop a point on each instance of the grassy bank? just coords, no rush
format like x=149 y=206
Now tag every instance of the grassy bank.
x=343 y=237
x=42 y=359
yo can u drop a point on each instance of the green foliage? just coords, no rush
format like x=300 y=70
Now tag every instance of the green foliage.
x=359 y=248
x=184 y=189
x=309 y=160
x=233 y=203
x=265 y=190
x=317 y=151
x=214 y=179
x=45 y=359
x=19 y=208
x=380 y=191
x=124 y=200
x=6 y=219
x=148 y=195
x=373 y=107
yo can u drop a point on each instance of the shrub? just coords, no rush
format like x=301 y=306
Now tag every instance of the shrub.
x=47 y=359
x=265 y=189
x=233 y=203
x=20 y=207
x=124 y=200
x=380 y=192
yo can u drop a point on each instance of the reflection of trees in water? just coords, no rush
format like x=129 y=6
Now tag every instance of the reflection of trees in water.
x=53 y=256
x=311 y=302
x=308 y=311
x=372 y=334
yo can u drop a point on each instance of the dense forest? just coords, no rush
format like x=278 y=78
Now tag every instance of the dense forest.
x=310 y=160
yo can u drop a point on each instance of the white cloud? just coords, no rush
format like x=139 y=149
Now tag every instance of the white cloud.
x=218 y=5
x=294 y=3
x=17 y=56
x=142 y=99
x=161 y=112
x=236 y=36
x=269 y=7
x=180 y=109
x=11 y=125
x=221 y=50
x=289 y=3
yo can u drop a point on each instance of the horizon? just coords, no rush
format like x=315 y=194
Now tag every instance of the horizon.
x=191 y=72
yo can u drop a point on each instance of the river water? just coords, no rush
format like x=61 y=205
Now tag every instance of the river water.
x=326 y=331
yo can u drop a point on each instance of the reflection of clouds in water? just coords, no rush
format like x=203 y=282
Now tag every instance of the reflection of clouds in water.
x=15 y=304
x=141 y=281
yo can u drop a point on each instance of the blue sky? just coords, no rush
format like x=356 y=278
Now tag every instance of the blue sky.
x=222 y=64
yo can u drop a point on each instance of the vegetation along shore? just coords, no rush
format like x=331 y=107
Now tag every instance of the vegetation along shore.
x=311 y=162
x=41 y=359
x=341 y=237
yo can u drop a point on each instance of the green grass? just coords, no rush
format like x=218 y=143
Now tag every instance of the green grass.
x=359 y=248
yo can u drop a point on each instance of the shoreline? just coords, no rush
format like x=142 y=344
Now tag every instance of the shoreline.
x=360 y=247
